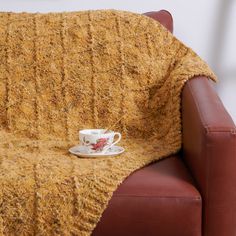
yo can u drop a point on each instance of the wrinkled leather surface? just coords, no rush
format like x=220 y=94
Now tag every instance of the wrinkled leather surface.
x=163 y=16
x=159 y=199
x=209 y=147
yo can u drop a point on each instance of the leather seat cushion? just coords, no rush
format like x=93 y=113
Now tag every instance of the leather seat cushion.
x=159 y=199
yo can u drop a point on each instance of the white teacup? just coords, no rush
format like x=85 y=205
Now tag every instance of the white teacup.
x=97 y=141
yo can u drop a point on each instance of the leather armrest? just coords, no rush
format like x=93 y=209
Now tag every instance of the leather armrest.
x=209 y=150
x=163 y=16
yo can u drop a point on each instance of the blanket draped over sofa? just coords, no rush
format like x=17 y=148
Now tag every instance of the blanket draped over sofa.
x=62 y=72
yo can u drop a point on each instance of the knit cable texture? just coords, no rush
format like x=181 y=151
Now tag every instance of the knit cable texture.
x=62 y=72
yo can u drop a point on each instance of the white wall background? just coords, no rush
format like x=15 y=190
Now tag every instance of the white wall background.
x=206 y=26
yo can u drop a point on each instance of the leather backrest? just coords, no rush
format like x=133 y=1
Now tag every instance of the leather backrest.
x=163 y=16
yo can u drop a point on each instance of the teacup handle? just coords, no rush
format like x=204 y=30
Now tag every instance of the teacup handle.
x=117 y=141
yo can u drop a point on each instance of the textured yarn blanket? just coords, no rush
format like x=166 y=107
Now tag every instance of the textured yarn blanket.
x=63 y=72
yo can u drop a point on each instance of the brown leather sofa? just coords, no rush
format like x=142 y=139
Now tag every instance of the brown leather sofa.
x=191 y=193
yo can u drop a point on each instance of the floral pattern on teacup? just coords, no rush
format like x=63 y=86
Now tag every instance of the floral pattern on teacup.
x=98 y=146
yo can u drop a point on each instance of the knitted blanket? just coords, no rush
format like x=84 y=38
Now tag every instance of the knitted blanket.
x=63 y=72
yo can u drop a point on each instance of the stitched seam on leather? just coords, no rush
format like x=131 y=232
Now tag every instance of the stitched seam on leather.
x=232 y=131
x=167 y=197
x=207 y=186
x=235 y=213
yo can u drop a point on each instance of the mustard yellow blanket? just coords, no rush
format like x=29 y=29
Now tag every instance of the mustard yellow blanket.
x=63 y=72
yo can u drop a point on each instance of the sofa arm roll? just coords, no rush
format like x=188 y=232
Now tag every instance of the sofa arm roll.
x=209 y=150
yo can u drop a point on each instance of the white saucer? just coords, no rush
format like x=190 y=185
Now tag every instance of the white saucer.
x=113 y=151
